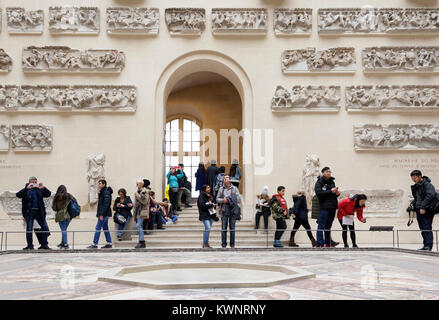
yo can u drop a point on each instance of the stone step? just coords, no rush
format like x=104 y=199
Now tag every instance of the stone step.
x=196 y=235
x=196 y=243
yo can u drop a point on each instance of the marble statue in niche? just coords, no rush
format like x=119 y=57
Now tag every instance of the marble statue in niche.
x=239 y=20
x=95 y=173
x=31 y=138
x=21 y=21
x=74 y=20
x=292 y=21
x=310 y=173
x=185 y=21
x=133 y=20
x=5 y=61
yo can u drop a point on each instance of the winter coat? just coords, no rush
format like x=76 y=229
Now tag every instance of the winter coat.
x=346 y=208
x=141 y=203
x=237 y=176
x=327 y=199
x=211 y=172
x=315 y=212
x=61 y=209
x=224 y=192
x=125 y=211
x=104 y=202
x=26 y=200
x=300 y=208
x=173 y=179
x=218 y=182
x=201 y=179
x=182 y=180
x=203 y=207
x=277 y=212
x=423 y=193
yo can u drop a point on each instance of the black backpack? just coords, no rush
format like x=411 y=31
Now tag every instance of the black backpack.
x=434 y=204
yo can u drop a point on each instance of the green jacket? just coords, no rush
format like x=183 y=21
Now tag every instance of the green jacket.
x=277 y=212
x=61 y=209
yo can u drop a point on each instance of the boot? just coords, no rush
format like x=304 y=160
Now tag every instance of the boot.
x=277 y=244
x=313 y=242
x=292 y=243
x=140 y=245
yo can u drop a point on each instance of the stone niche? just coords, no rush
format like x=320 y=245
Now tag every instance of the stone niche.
x=307 y=99
x=380 y=203
x=400 y=59
x=392 y=98
x=124 y=20
x=21 y=21
x=5 y=62
x=346 y=21
x=31 y=138
x=76 y=98
x=396 y=137
x=65 y=59
x=74 y=20
x=12 y=205
x=5 y=132
x=311 y=60
x=185 y=21
x=292 y=21
x=239 y=21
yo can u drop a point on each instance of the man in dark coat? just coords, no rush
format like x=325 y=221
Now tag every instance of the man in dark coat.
x=423 y=193
x=33 y=208
x=103 y=214
x=327 y=193
x=211 y=173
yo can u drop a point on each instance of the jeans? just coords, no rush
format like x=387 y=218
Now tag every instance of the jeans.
x=139 y=226
x=207 y=227
x=122 y=227
x=35 y=215
x=344 y=233
x=187 y=194
x=281 y=226
x=102 y=224
x=301 y=222
x=227 y=221
x=325 y=221
x=425 y=222
x=63 y=225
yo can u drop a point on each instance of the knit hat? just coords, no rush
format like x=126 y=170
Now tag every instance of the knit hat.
x=235 y=161
x=265 y=190
x=212 y=161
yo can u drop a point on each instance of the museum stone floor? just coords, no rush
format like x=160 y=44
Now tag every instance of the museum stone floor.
x=368 y=274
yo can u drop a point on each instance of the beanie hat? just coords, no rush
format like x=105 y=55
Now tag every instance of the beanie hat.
x=265 y=190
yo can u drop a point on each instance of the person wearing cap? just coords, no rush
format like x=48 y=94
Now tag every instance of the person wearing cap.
x=235 y=173
x=33 y=208
x=211 y=173
x=263 y=208
x=173 y=177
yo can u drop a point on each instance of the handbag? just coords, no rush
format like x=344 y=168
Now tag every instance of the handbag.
x=120 y=219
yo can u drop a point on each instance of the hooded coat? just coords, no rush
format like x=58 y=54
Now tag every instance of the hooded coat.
x=104 y=202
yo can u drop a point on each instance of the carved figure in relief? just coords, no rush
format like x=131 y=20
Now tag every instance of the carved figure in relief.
x=12 y=99
x=281 y=97
x=310 y=174
x=95 y=173
x=87 y=18
x=330 y=95
x=2 y=95
x=23 y=20
x=5 y=60
x=28 y=137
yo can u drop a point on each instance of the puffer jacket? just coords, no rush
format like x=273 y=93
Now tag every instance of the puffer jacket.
x=423 y=193
x=327 y=199
x=142 y=203
x=346 y=207
x=104 y=202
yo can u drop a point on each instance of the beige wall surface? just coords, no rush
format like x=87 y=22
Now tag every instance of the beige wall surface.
x=129 y=141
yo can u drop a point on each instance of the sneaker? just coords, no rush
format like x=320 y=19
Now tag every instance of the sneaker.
x=65 y=246
x=426 y=248
x=107 y=246
x=29 y=248
x=92 y=247
x=277 y=244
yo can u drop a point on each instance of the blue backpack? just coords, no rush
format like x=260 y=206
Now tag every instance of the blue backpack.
x=74 y=209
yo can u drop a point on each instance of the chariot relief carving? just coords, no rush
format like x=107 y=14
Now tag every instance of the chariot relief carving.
x=133 y=20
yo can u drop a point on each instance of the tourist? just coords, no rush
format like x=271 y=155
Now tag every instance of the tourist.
x=299 y=213
x=327 y=193
x=218 y=182
x=155 y=213
x=33 y=208
x=183 y=184
x=263 y=208
x=205 y=206
x=166 y=216
x=424 y=194
x=173 y=177
x=60 y=205
x=228 y=197
x=211 y=173
x=346 y=211
x=122 y=211
x=103 y=214
x=279 y=212
x=235 y=173
x=200 y=177
x=141 y=210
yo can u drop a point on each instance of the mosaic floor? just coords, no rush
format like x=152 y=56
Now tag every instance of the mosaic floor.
x=339 y=275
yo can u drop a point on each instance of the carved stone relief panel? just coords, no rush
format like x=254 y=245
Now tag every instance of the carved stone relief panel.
x=334 y=60
x=378 y=20
x=65 y=59
x=5 y=61
x=21 y=21
x=185 y=21
x=124 y=20
x=77 y=98
x=396 y=137
x=310 y=173
x=74 y=20
x=380 y=203
x=95 y=172
x=392 y=98
x=292 y=21
x=12 y=205
x=400 y=59
x=5 y=133
x=307 y=99
x=252 y=21
x=31 y=138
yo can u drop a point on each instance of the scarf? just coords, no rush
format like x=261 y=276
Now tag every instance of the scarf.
x=282 y=201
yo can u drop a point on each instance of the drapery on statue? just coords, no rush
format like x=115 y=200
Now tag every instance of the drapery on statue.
x=94 y=174
x=309 y=176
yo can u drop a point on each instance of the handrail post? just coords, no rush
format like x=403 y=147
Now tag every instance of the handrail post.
x=397 y=238
x=6 y=241
x=73 y=241
x=393 y=238
x=437 y=243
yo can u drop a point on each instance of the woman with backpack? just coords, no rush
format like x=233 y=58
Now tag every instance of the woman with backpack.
x=60 y=205
x=122 y=211
x=346 y=211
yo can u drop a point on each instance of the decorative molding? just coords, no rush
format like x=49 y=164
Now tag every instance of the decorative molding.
x=12 y=205
x=345 y=21
x=95 y=172
x=74 y=20
x=5 y=132
x=241 y=21
x=396 y=137
x=5 y=61
x=31 y=137
x=292 y=21
x=392 y=98
x=400 y=59
x=185 y=21
x=311 y=60
x=380 y=203
x=21 y=21
x=65 y=59
x=124 y=20
x=307 y=99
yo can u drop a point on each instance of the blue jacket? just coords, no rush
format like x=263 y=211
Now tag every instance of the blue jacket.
x=201 y=179
x=173 y=179
x=104 y=203
x=300 y=209
x=26 y=200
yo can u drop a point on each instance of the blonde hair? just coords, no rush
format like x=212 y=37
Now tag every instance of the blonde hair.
x=141 y=182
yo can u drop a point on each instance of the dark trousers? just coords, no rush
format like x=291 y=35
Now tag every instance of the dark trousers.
x=425 y=222
x=281 y=226
x=325 y=221
x=301 y=222
x=173 y=198
x=258 y=216
x=230 y=221
x=344 y=233
x=42 y=233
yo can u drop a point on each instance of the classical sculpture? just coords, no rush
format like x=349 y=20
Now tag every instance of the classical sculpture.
x=21 y=21
x=133 y=20
x=310 y=173
x=5 y=132
x=74 y=20
x=185 y=21
x=239 y=20
x=31 y=138
x=292 y=21
x=95 y=173
x=5 y=61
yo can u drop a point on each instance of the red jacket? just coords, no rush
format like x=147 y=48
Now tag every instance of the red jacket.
x=346 y=208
